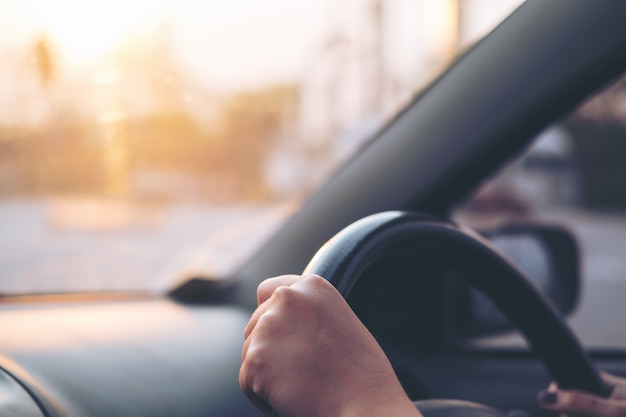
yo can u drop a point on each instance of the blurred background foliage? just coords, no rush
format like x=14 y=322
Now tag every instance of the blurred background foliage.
x=134 y=122
x=72 y=152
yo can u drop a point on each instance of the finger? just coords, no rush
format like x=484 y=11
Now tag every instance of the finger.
x=245 y=347
x=254 y=319
x=617 y=385
x=611 y=380
x=619 y=392
x=266 y=288
x=246 y=386
x=580 y=404
x=313 y=283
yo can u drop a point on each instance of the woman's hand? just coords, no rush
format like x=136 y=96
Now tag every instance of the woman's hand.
x=306 y=354
x=579 y=404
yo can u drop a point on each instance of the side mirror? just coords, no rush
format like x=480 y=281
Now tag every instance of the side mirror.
x=548 y=254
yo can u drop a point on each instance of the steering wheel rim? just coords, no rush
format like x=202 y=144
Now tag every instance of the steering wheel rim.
x=345 y=256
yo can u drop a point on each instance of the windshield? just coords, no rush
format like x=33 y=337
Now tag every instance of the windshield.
x=142 y=142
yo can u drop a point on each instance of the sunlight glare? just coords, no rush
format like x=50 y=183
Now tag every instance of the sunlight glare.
x=442 y=25
x=88 y=30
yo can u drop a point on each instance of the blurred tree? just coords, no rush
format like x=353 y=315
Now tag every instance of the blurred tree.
x=233 y=150
x=33 y=165
x=250 y=124
x=170 y=142
x=44 y=60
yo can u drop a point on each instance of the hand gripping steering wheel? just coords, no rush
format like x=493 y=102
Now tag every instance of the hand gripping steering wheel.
x=345 y=257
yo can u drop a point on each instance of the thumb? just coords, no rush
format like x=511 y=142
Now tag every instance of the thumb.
x=580 y=404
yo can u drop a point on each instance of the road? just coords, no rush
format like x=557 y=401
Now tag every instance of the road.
x=52 y=247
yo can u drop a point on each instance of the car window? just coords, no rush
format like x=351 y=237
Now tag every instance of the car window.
x=574 y=174
x=144 y=142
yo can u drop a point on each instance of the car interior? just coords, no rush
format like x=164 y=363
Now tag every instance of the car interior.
x=473 y=294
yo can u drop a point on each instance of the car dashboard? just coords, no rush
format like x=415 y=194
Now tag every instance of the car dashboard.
x=148 y=357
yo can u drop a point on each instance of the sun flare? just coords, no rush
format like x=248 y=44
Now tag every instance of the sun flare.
x=87 y=30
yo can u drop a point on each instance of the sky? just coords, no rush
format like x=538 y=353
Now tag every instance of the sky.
x=235 y=42
x=234 y=45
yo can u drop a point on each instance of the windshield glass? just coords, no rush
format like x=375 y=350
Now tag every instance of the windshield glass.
x=142 y=142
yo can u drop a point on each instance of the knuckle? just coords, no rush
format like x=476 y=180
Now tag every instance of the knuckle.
x=317 y=280
x=272 y=326
x=265 y=324
x=282 y=291
x=319 y=286
x=285 y=296
x=254 y=371
x=255 y=360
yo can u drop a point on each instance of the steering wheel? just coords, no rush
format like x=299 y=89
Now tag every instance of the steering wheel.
x=344 y=258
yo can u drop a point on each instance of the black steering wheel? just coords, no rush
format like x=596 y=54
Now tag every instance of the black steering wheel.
x=343 y=259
